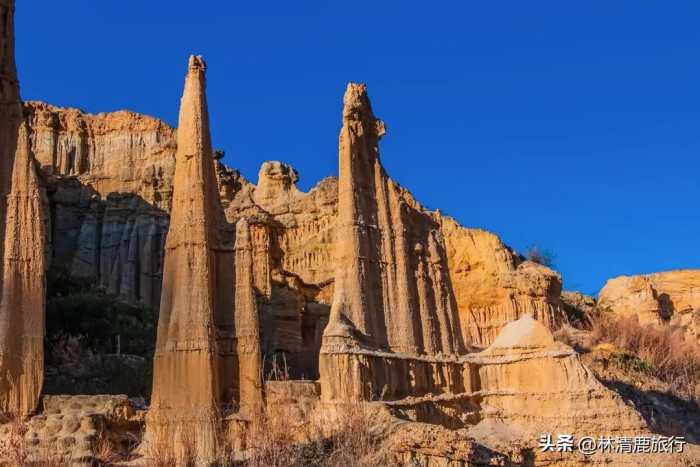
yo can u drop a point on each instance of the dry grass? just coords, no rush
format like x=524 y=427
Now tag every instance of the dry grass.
x=665 y=351
x=159 y=450
x=348 y=439
x=103 y=451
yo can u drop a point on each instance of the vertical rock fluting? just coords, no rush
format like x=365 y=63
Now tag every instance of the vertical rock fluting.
x=109 y=183
x=493 y=285
x=22 y=231
x=392 y=293
x=185 y=380
x=247 y=323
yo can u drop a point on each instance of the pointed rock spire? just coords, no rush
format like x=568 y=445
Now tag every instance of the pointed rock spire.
x=355 y=303
x=22 y=302
x=21 y=243
x=391 y=295
x=185 y=380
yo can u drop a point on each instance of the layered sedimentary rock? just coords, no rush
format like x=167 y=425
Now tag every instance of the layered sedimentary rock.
x=184 y=406
x=563 y=397
x=112 y=152
x=666 y=297
x=523 y=386
x=493 y=285
x=109 y=222
x=392 y=300
x=109 y=183
x=22 y=280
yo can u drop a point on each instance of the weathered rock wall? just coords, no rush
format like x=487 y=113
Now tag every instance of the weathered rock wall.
x=665 y=297
x=493 y=285
x=292 y=235
x=109 y=221
x=109 y=183
x=392 y=295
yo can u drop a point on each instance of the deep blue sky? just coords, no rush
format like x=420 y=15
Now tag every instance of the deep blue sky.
x=570 y=125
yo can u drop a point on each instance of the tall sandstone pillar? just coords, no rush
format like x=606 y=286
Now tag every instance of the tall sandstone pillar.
x=184 y=405
x=393 y=311
x=247 y=324
x=22 y=234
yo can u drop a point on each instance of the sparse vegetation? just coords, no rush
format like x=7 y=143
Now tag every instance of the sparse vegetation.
x=347 y=439
x=663 y=351
x=86 y=329
x=540 y=256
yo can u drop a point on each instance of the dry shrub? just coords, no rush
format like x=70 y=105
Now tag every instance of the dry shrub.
x=665 y=351
x=567 y=335
x=161 y=452
x=272 y=441
x=540 y=256
x=103 y=450
x=355 y=440
x=348 y=439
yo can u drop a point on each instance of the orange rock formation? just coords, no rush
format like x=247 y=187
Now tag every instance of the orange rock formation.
x=494 y=286
x=22 y=280
x=392 y=299
x=185 y=394
x=352 y=285
x=664 y=297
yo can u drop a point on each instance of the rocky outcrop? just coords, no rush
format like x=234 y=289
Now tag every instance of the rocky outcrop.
x=523 y=386
x=109 y=183
x=666 y=297
x=493 y=285
x=564 y=397
x=579 y=307
x=72 y=430
x=392 y=291
x=184 y=403
x=292 y=236
x=113 y=152
x=22 y=279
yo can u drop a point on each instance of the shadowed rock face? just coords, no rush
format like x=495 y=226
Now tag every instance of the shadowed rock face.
x=109 y=183
x=185 y=376
x=22 y=280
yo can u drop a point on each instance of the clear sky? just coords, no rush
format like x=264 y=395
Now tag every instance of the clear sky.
x=569 y=125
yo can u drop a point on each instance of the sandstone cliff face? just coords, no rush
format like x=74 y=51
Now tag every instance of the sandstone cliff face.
x=392 y=291
x=564 y=397
x=494 y=286
x=109 y=182
x=247 y=323
x=670 y=297
x=22 y=279
x=522 y=386
x=114 y=152
x=185 y=375
x=292 y=235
